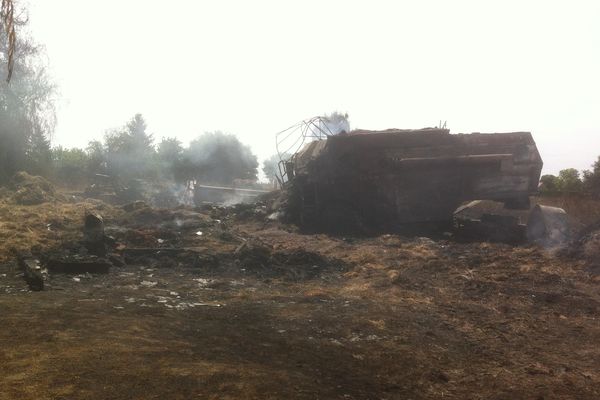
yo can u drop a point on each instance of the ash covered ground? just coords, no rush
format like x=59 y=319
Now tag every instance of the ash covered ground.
x=225 y=303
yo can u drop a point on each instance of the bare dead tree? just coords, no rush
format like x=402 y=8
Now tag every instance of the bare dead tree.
x=7 y=16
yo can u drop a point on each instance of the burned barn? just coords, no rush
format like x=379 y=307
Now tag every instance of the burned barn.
x=395 y=178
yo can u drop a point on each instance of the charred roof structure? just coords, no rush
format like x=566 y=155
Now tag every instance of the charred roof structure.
x=390 y=178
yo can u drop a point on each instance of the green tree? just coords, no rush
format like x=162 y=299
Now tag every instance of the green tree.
x=39 y=155
x=169 y=153
x=141 y=141
x=569 y=180
x=96 y=159
x=184 y=171
x=219 y=158
x=169 y=150
x=26 y=106
x=129 y=151
x=591 y=179
x=550 y=183
x=70 y=166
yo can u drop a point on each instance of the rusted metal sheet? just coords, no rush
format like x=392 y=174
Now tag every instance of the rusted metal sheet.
x=410 y=176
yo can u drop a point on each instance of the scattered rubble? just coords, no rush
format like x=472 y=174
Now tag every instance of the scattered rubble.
x=113 y=191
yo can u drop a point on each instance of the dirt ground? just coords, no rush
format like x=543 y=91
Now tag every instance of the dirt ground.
x=255 y=310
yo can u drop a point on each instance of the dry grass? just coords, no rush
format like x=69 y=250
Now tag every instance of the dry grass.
x=39 y=227
x=582 y=210
x=409 y=318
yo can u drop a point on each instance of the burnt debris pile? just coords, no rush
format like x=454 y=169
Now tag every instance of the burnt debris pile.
x=417 y=182
x=383 y=180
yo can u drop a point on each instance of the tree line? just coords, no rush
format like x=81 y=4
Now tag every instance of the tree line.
x=572 y=181
x=130 y=153
x=27 y=120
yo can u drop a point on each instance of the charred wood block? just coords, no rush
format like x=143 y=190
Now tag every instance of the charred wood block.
x=78 y=266
x=94 y=222
x=93 y=227
x=152 y=251
x=97 y=248
x=32 y=273
x=141 y=255
x=116 y=260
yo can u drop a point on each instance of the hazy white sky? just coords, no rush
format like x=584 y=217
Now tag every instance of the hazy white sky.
x=253 y=68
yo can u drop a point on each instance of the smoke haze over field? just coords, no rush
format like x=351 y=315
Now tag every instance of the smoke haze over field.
x=255 y=68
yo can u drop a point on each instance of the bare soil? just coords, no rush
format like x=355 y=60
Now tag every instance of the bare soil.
x=254 y=310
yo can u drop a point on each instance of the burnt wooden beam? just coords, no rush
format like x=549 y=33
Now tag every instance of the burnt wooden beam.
x=78 y=266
